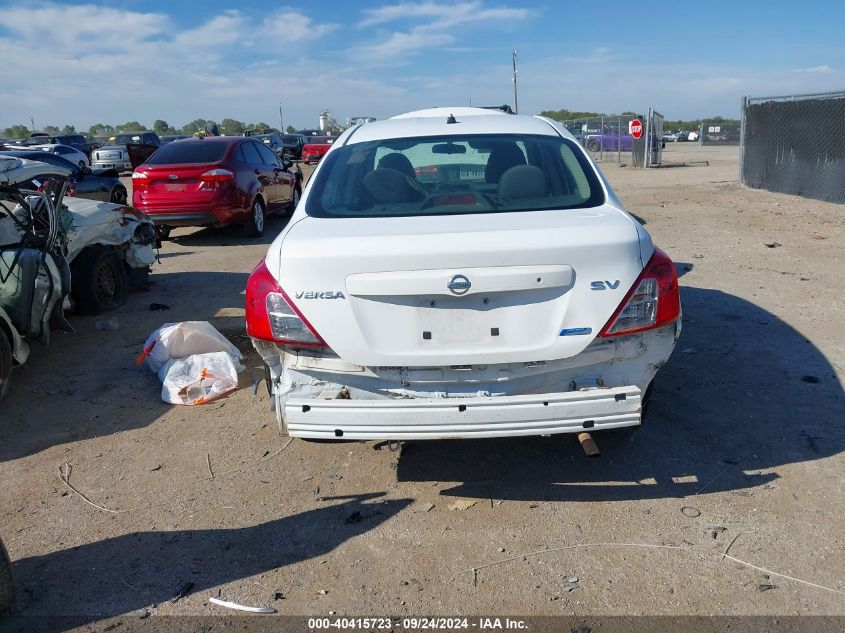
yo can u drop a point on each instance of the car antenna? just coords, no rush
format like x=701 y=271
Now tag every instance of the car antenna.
x=451 y=119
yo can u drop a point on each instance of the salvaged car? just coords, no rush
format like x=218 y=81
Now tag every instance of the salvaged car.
x=57 y=251
x=94 y=184
x=509 y=295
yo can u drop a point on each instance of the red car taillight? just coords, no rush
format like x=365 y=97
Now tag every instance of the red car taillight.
x=140 y=180
x=215 y=179
x=271 y=316
x=653 y=300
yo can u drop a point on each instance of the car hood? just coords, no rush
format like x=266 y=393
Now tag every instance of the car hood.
x=17 y=170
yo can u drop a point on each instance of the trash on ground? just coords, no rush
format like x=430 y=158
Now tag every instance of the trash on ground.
x=107 y=324
x=194 y=362
x=572 y=583
x=240 y=607
x=422 y=507
x=766 y=587
x=772 y=244
x=689 y=511
x=462 y=504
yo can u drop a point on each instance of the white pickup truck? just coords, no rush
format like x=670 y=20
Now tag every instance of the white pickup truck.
x=458 y=273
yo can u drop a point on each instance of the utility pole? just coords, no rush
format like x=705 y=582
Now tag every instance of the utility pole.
x=281 y=122
x=32 y=122
x=515 y=100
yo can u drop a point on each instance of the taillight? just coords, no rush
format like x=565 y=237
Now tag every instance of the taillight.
x=217 y=175
x=653 y=300
x=139 y=175
x=271 y=316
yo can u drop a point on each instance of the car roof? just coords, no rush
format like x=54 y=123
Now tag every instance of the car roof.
x=433 y=122
x=16 y=170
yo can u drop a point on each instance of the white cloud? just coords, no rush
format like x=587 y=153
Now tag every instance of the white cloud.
x=291 y=26
x=437 y=31
x=824 y=68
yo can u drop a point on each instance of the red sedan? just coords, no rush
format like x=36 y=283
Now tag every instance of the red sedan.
x=214 y=181
x=315 y=148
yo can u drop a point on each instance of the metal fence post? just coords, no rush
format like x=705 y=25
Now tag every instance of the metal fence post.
x=601 y=140
x=743 y=105
x=619 y=140
x=647 y=157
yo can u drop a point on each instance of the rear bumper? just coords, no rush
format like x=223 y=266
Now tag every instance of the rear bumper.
x=454 y=418
x=191 y=218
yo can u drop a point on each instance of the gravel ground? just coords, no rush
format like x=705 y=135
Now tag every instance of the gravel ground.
x=744 y=440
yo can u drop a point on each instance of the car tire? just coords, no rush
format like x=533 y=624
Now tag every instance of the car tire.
x=98 y=280
x=7 y=582
x=119 y=196
x=254 y=226
x=6 y=362
x=593 y=146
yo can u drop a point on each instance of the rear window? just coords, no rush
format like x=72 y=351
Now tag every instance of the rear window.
x=178 y=153
x=454 y=175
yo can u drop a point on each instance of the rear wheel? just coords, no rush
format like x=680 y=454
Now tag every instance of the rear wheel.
x=593 y=146
x=6 y=362
x=98 y=280
x=7 y=582
x=254 y=226
x=118 y=196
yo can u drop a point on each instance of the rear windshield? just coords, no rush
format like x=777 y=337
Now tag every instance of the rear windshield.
x=290 y=138
x=454 y=175
x=320 y=140
x=178 y=152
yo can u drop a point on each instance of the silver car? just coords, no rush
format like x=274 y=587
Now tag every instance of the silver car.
x=114 y=155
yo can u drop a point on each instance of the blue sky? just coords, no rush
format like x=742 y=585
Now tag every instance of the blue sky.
x=87 y=62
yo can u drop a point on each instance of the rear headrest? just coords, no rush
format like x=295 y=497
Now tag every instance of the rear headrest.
x=399 y=162
x=523 y=181
x=389 y=185
x=502 y=157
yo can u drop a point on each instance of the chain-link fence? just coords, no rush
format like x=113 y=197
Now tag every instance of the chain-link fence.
x=719 y=133
x=608 y=138
x=795 y=145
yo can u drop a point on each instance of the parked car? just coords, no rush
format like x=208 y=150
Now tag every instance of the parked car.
x=67 y=152
x=515 y=297
x=101 y=184
x=215 y=180
x=273 y=141
x=114 y=155
x=610 y=141
x=315 y=148
x=172 y=137
x=293 y=144
x=76 y=141
x=670 y=137
x=52 y=247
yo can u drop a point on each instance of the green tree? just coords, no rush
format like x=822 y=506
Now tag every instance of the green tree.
x=129 y=126
x=290 y=129
x=52 y=130
x=160 y=126
x=197 y=125
x=100 y=129
x=16 y=131
x=232 y=127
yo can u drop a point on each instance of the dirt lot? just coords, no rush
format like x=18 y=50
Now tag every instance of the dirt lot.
x=746 y=433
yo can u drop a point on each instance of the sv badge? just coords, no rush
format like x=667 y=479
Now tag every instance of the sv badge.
x=604 y=285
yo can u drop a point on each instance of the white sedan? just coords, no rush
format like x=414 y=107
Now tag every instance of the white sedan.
x=457 y=273
x=67 y=152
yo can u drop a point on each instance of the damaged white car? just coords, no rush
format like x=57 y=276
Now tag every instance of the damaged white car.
x=458 y=273
x=56 y=250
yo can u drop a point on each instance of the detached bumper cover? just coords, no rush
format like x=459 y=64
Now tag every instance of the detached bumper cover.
x=476 y=417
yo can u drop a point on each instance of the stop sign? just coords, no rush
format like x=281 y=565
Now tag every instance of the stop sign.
x=635 y=128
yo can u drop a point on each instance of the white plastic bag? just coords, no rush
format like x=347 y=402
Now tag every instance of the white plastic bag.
x=194 y=362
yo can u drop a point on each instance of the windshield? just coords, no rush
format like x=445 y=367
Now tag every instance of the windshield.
x=290 y=138
x=454 y=175
x=126 y=139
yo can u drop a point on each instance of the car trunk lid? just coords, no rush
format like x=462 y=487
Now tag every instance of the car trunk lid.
x=459 y=290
